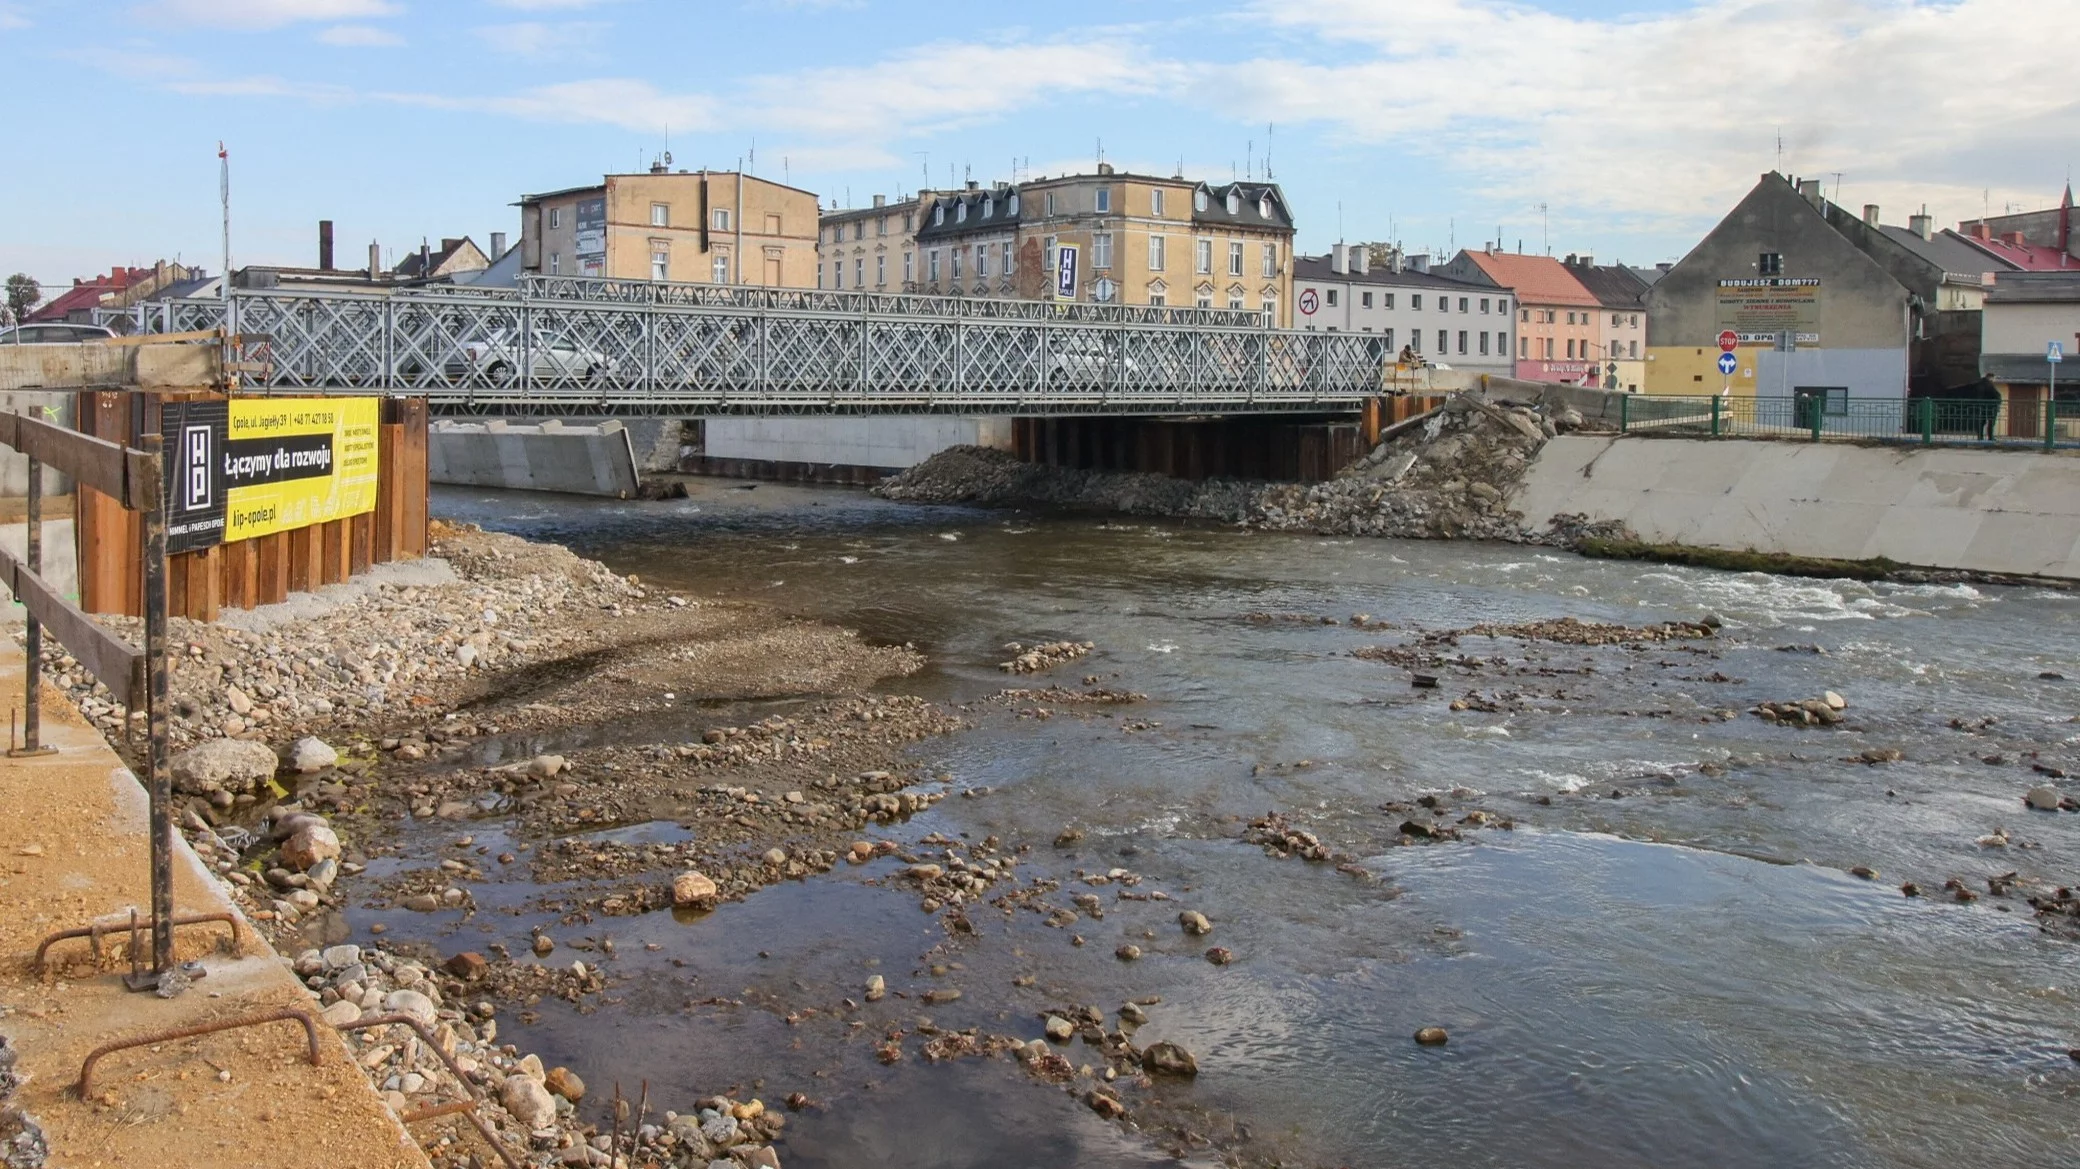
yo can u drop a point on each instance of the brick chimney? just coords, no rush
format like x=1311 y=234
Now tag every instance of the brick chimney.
x=1923 y=225
x=1870 y=214
x=1361 y=259
x=1339 y=261
x=325 y=245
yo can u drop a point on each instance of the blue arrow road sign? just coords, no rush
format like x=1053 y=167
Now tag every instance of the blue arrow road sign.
x=1728 y=363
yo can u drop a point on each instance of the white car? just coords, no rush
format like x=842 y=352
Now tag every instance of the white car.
x=549 y=355
x=54 y=333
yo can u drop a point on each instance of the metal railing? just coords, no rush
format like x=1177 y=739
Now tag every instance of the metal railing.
x=2045 y=424
x=793 y=352
x=995 y=308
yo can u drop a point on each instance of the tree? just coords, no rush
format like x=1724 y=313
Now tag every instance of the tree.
x=22 y=294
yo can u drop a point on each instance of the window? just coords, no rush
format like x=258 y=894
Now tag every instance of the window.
x=1462 y=342
x=1570 y=346
x=1104 y=199
x=1484 y=304
x=880 y=271
x=938 y=215
x=1570 y=318
x=721 y=219
x=1264 y=206
x=909 y=222
x=555 y=217
x=720 y=269
x=1235 y=300
x=1050 y=204
x=660 y=262
x=1011 y=204
x=1415 y=301
x=1549 y=349
x=1234 y=259
x=981 y=261
x=1155 y=203
x=1199 y=204
x=1101 y=249
x=859 y=272
x=1155 y=253
x=1047 y=252
x=1462 y=308
x=1444 y=304
x=881 y=226
x=1205 y=300
x=1502 y=305
x=956 y=264
x=1365 y=300
x=1502 y=343
x=660 y=215
x=909 y=267
x=859 y=227
x=932 y=265
x=1203 y=258
x=1617 y=319
x=555 y=263
x=1388 y=336
x=1331 y=298
x=1444 y=342
x=1634 y=321
x=1271 y=309
x=1270 y=260
x=1158 y=299
x=1008 y=266
x=960 y=213
x=1523 y=348
x=1527 y=316
x=1770 y=264
x=1386 y=300
x=1234 y=202
x=1634 y=347
x=1415 y=340
x=989 y=206
x=1484 y=342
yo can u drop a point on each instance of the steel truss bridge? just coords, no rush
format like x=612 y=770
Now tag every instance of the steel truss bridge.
x=591 y=347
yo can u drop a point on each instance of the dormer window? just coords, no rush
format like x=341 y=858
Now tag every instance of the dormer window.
x=989 y=206
x=1198 y=200
x=1011 y=204
x=960 y=213
x=1264 y=207
x=1234 y=203
x=938 y=215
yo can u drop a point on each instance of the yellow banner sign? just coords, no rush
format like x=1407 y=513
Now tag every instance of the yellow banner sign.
x=1756 y=310
x=292 y=462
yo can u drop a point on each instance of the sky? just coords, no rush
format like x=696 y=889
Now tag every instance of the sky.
x=1622 y=130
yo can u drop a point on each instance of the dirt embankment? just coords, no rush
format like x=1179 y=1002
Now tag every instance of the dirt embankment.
x=1447 y=475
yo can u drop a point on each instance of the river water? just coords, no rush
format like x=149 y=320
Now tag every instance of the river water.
x=1665 y=963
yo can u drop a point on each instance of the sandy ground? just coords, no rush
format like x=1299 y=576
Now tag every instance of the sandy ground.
x=73 y=849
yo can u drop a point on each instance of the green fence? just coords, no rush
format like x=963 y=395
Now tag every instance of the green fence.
x=2046 y=424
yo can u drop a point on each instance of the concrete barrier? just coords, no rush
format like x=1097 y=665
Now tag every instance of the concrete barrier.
x=880 y=443
x=1992 y=511
x=110 y=365
x=591 y=459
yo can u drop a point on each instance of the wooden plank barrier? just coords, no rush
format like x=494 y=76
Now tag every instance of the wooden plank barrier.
x=244 y=574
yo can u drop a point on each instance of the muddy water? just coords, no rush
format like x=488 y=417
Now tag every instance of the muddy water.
x=1664 y=964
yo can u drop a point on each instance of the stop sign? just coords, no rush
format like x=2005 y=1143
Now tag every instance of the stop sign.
x=1727 y=341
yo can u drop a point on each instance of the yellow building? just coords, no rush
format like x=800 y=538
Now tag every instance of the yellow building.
x=700 y=227
x=1141 y=240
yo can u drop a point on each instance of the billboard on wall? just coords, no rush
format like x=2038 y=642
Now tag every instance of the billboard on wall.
x=254 y=466
x=1756 y=310
x=590 y=241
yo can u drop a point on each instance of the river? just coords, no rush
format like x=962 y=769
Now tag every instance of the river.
x=1666 y=961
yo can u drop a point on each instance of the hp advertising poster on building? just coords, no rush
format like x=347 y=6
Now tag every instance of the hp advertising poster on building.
x=250 y=467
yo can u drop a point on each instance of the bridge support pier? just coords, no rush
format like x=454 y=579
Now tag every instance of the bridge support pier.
x=1246 y=447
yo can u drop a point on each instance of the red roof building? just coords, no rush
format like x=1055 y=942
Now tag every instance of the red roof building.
x=1557 y=337
x=2034 y=241
x=122 y=286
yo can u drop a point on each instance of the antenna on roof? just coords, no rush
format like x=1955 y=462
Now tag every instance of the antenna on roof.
x=1545 y=234
x=1270 y=128
x=1249 y=158
x=1780 y=150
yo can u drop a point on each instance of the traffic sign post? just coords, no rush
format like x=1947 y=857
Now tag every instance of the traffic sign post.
x=1728 y=363
x=2054 y=352
x=1728 y=340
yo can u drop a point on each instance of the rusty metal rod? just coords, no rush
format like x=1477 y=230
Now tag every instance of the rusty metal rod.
x=97 y=931
x=489 y=1134
x=282 y=1015
x=435 y=1111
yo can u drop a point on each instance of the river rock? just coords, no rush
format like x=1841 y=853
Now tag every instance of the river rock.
x=877 y=988
x=1834 y=701
x=543 y=943
x=528 y=1101
x=236 y=766
x=421 y=903
x=341 y=1013
x=1128 y=952
x=775 y=857
x=1059 y=1029
x=546 y=766
x=237 y=700
x=694 y=889
x=1168 y=1059
x=1220 y=955
x=1432 y=1037
x=311 y=754
x=565 y=1083
x=1195 y=923
x=338 y=958
x=2042 y=799
x=311 y=844
x=469 y=966
x=762 y=1157
x=409 y=1002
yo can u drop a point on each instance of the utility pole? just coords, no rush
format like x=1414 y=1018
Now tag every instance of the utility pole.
x=224 y=193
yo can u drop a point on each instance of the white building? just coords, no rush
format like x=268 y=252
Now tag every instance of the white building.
x=1449 y=322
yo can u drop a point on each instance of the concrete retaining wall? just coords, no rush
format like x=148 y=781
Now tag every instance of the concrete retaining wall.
x=1975 y=510
x=594 y=459
x=48 y=406
x=885 y=443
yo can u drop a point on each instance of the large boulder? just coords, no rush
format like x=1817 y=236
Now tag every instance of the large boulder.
x=237 y=766
x=311 y=754
x=311 y=843
x=528 y=1101
x=694 y=889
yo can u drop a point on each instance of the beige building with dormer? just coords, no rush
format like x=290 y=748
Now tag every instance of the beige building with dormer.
x=698 y=227
x=1141 y=240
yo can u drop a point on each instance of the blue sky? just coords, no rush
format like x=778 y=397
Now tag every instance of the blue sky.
x=1433 y=122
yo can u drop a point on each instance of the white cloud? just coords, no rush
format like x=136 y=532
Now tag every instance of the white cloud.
x=360 y=36
x=1667 y=118
x=263 y=14
x=613 y=101
x=549 y=5
x=11 y=17
x=543 y=40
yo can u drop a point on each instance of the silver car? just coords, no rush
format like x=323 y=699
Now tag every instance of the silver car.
x=549 y=355
x=54 y=333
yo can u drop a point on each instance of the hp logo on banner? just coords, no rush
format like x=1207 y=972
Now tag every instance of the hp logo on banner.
x=195 y=454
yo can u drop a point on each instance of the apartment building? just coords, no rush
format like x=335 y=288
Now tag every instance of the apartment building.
x=1447 y=322
x=871 y=249
x=1621 y=322
x=968 y=243
x=702 y=227
x=1558 y=338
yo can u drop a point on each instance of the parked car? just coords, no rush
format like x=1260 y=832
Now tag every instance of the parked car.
x=1087 y=360
x=549 y=355
x=54 y=333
